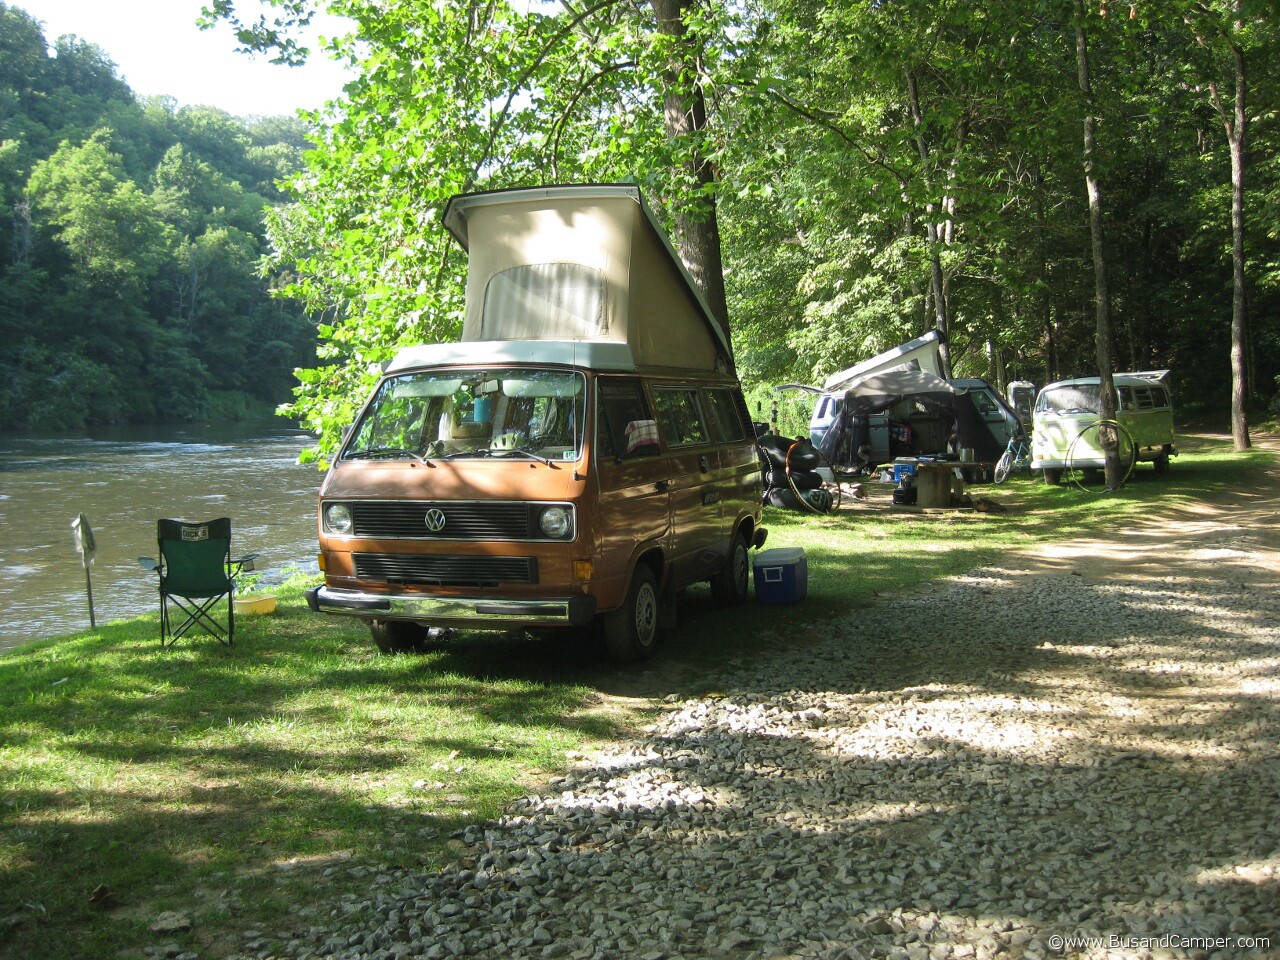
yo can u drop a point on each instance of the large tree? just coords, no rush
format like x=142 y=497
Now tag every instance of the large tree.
x=462 y=95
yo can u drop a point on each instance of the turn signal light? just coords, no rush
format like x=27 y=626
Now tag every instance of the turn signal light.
x=582 y=569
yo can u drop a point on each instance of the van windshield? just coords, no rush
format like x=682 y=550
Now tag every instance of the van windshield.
x=1079 y=398
x=517 y=412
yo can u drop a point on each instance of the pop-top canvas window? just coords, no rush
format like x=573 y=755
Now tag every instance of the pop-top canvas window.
x=551 y=300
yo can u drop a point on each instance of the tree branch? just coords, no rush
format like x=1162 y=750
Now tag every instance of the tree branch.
x=830 y=126
x=538 y=61
x=563 y=119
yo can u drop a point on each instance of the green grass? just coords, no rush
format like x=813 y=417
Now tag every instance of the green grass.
x=231 y=784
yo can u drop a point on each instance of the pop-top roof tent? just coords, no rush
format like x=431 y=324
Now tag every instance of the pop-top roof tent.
x=581 y=263
x=922 y=353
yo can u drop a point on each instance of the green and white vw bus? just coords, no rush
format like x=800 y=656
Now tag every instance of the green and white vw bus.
x=1067 y=413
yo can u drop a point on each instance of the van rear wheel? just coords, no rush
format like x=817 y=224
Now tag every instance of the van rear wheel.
x=1052 y=475
x=631 y=631
x=397 y=636
x=731 y=586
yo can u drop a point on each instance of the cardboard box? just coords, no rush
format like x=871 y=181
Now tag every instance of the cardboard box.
x=781 y=575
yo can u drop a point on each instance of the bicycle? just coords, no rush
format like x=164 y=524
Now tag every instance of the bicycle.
x=1016 y=456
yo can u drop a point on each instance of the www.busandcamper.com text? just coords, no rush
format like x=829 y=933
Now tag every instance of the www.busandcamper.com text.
x=1060 y=944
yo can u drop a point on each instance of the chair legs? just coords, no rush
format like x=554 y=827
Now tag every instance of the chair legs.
x=197 y=613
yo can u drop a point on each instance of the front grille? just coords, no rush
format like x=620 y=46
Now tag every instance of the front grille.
x=445 y=571
x=406 y=520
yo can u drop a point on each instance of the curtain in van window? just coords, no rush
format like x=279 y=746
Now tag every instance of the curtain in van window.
x=546 y=301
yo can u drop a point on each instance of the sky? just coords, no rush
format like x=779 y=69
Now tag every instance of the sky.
x=159 y=51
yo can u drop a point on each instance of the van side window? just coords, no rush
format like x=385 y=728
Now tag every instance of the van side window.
x=681 y=417
x=724 y=413
x=983 y=402
x=1143 y=397
x=625 y=427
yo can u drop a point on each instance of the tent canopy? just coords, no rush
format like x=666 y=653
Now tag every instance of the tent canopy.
x=893 y=385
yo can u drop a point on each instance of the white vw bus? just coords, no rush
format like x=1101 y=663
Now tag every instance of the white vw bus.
x=1066 y=415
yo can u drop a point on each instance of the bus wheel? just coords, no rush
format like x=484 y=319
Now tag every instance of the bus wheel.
x=397 y=636
x=631 y=631
x=1052 y=475
x=731 y=586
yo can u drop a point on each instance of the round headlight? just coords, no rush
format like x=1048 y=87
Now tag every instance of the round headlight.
x=337 y=518
x=555 y=522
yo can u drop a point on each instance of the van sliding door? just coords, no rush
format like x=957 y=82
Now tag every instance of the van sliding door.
x=634 y=478
x=695 y=495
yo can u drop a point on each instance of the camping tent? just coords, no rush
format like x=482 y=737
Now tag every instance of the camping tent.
x=900 y=413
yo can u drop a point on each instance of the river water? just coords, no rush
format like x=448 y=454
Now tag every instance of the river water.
x=125 y=480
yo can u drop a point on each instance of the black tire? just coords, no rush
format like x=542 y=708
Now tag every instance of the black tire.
x=803 y=480
x=631 y=631
x=1161 y=463
x=397 y=636
x=1052 y=475
x=1004 y=466
x=732 y=585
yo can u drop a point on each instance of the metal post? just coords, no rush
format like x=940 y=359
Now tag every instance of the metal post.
x=86 y=547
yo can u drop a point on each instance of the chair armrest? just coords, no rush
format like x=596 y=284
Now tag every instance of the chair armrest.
x=245 y=564
x=149 y=564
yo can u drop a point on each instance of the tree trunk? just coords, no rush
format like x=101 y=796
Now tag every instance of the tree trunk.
x=1102 y=294
x=941 y=316
x=685 y=105
x=1239 y=314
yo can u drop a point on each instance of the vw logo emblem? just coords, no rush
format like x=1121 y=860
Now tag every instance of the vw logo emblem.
x=434 y=520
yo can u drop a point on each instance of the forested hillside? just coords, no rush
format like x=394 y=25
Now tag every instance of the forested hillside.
x=130 y=286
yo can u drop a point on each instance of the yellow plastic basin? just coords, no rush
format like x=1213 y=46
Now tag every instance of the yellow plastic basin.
x=255 y=604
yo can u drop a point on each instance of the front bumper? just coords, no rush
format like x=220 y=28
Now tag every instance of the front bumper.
x=475 y=612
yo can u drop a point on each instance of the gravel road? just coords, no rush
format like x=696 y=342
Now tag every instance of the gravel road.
x=1081 y=743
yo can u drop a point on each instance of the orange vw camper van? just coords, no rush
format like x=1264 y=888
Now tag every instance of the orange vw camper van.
x=579 y=457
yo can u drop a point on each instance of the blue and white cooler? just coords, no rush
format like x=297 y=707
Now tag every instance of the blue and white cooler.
x=781 y=575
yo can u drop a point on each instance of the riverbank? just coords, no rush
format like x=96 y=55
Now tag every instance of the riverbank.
x=299 y=788
x=125 y=480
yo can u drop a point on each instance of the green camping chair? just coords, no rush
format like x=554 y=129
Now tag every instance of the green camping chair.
x=196 y=572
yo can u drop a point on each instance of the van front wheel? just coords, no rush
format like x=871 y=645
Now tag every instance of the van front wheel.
x=397 y=636
x=731 y=585
x=631 y=631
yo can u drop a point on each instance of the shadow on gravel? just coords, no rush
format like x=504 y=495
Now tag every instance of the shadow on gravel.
x=993 y=762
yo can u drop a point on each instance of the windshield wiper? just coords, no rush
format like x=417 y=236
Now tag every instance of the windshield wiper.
x=384 y=453
x=515 y=451
x=501 y=452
